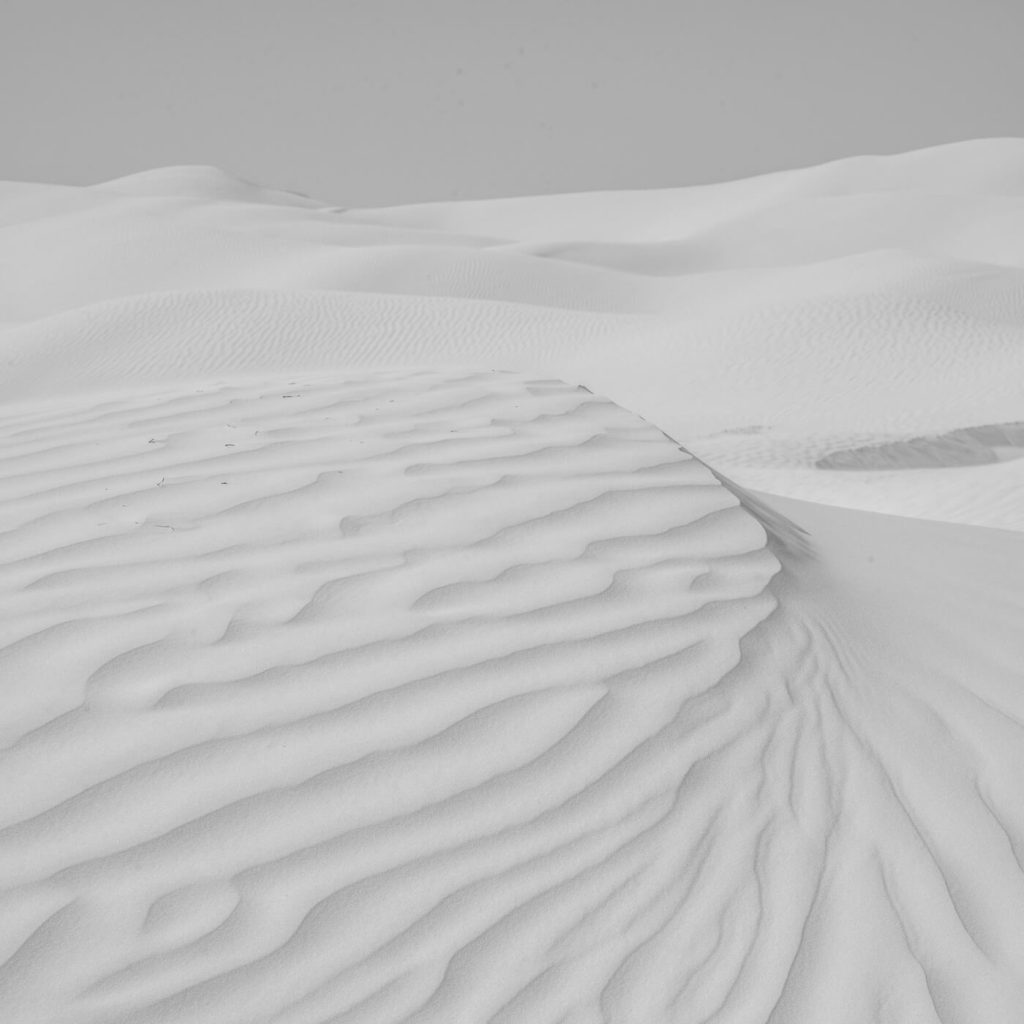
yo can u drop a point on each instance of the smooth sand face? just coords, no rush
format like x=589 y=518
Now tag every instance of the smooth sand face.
x=430 y=693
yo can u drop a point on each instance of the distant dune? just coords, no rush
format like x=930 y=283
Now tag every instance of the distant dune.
x=445 y=614
x=767 y=323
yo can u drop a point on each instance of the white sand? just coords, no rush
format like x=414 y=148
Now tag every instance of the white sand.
x=347 y=680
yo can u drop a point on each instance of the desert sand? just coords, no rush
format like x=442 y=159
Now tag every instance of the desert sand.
x=585 y=609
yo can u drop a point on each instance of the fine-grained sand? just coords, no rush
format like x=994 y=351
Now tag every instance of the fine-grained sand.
x=362 y=662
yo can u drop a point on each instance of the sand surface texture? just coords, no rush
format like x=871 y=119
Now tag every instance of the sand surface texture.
x=359 y=666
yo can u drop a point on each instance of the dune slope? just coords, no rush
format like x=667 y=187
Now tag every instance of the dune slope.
x=361 y=663
x=437 y=696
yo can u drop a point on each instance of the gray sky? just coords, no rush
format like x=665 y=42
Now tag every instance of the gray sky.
x=365 y=102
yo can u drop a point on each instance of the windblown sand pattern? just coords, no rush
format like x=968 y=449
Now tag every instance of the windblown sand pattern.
x=345 y=688
x=358 y=666
x=459 y=697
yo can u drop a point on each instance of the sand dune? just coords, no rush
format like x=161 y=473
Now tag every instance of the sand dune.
x=456 y=697
x=360 y=665
x=867 y=302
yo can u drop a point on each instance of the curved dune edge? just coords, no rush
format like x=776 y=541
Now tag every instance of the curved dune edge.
x=451 y=696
